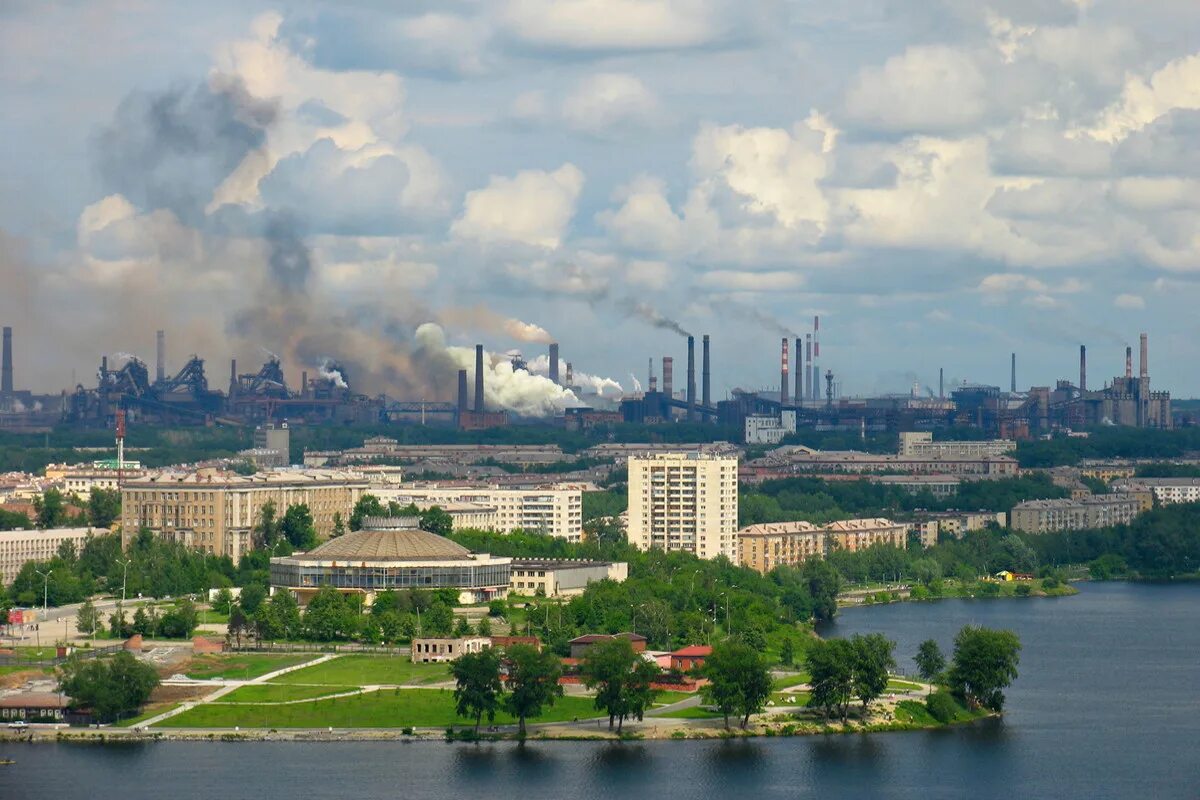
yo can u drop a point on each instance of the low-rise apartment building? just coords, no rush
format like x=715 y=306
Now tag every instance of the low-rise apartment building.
x=798 y=460
x=553 y=510
x=216 y=511
x=1098 y=511
x=17 y=547
x=941 y=525
x=562 y=577
x=1166 y=491
x=920 y=444
x=766 y=546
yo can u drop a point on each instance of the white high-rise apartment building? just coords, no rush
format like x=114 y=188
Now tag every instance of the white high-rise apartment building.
x=684 y=501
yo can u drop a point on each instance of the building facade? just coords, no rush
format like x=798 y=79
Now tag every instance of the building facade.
x=1048 y=516
x=216 y=511
x=765 y=429
x=766 y=546
x=552 y=510
x=433 y=650
x=684 y=501
x=562 y=577
x=920 y=444
x=17 y=547
x=1168 y=491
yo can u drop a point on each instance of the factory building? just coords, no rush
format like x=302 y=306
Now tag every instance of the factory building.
x=684 y=501
x=766 y=546
x=553 y=510
x=920 y=444
x=391 y=553
x=764 y=429
x=217 y=511
x=1100 y=511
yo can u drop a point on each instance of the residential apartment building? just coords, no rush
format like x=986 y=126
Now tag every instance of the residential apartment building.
x=552 y=510
x=797 y=460
x=942 y=525
x=766 y=546
x=17 y=547
x=216 y=511
x=940 y=486
x=920 y=444
x=562 y=577
x=1166 y=491
x=80 y=479
x=1099 y=511
x=684 y=501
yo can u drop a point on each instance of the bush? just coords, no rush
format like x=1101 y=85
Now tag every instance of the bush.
x=942 y=707
x=1023 y=590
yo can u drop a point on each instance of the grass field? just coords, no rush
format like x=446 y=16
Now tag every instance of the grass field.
x=425 y=708
x=692 y=712
x=9 y=670
x=781 y=699
x=242 y=666
x=789 y=680
x=902 y=686
x=364 y=670
x=280 y=693
x=146 y=714
x=667 y=698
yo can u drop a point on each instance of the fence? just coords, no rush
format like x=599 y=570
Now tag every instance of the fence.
x=78 y=652
x=315 y=647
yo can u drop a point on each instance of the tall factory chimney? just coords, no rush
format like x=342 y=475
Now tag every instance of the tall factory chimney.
x=462 y=395
x=6 y=375
x=705 y=375
x=1082 y=368
x=1128 y=362
x=160 y=372
x=479 y=377
x=233 y=381
x=816 y=379
x=651 y=381
x=554 y=362
x=304 y=383
x=941 y=383
x=783 y=373
x=668 y=382
x=808 y=390
x=691 y=379
x=1013 y=385
x=1143 y=356
x=799 y=369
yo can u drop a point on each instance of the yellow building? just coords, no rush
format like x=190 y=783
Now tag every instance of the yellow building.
x=216 y=511
x=684 y=501
x=766 y=546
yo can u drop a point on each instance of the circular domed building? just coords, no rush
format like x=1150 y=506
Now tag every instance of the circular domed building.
x=391 y=553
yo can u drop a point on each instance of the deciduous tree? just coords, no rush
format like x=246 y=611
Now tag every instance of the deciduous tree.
x=930 y=661
x=739 y=681
x=532 y=682
x=984 y=664
x=477 y=689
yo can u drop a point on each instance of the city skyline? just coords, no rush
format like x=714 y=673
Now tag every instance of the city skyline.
x=944 y=185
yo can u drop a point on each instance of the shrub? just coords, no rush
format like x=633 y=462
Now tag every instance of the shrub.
x=1023 y=590
x=942 y=707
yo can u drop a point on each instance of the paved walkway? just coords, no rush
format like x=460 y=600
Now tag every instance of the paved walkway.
x=228 y=687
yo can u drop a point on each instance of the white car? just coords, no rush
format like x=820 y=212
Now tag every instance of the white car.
x=19 y=724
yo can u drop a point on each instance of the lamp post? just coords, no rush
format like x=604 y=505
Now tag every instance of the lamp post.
x=124 y=577
x=45 y=604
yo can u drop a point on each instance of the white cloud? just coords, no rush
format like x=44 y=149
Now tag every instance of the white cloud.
x=1129 y=301
x=611 y=25
x=1176 y=85
x=729 y=280
x=649 y=274
x=606 y=100
x=928 y=88
x=532 y=207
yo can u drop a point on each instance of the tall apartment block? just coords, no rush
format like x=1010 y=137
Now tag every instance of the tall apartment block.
x=684 y=501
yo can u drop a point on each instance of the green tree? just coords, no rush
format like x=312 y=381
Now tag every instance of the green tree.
x=88 y=618
x=787 y=652
x=873 y=660
x=51 y=509
x=436 y=520
x=111 y=687
x=532 y=683
x=329 y=617
x=268 y=530
x=180 y=621
x=462 y=627
x=14 y=520
x=103 y=507
x=278 y=618
x=367 y=506
x=484 y=628
x=739 y=681
x=930 y=661
x=118 y=627
x=477 y=688
x=339 y=525
x=223 y=601
x=252 y=596
x=823 y=582
x=141 y=622
x=438 y=620
x=238 y=624
x=607 y=668
x=298 y=528
x=984 y=664
x=830 y=664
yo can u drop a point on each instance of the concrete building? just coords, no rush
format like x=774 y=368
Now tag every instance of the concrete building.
x=940 y=486
x=80 y=479
x=391 y=553
x=1099 y=511
x=764 y=429
x=684 y=501
x=277 y=438
x=216 y=511
x=1166 y=491
x=553 y=510
x=920 y=444
x=766 y=546
x=561 y=577
x=427 y=649
x=942 y=525
x=17 y=547
x=799 y=460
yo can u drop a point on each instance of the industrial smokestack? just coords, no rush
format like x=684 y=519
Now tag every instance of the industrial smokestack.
x=705 y=376
x=304 y=383
x=554 y=362
x=233 y=381
x=691 y=378
x=808 y=390
x=1013 y=385
x=941 y=383
x=799 y=369
x=816 y=379
x=160 y=371
x=1128 y=361
x=783 y=373
x=479 y=377
x=651 y=381
x=462 y=394
x=6 y=369
x=1082 y=368
x=1143 y=358
x=104 y=364
x=668 y=382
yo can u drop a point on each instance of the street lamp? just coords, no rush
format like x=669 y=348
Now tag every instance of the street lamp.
x=45 y=596
x=124 y=577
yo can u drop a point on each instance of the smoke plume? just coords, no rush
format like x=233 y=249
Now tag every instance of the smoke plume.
x=651 y=316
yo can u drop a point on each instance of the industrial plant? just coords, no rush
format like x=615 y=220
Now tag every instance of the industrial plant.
x=804 y=398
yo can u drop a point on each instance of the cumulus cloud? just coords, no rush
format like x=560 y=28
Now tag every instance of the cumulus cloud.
x=609 y=100
x=612 y=25
x=532 y=207
x=1129 y=302
x=927 y=88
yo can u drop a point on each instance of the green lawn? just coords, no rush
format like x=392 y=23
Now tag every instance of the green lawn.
x=242 y=666
x=789 y=680
x=363 y=670
x=280 y=692
x=781 y=699
x=667 y=698
x=425 y=708
x=902 y=686
x=8 y=670
x=145 y=715
x=692 y=712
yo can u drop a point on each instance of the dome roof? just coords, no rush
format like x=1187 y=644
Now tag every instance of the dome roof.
x=395 y=544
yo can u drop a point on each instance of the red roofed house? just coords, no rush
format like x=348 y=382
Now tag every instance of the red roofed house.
x=687 y=658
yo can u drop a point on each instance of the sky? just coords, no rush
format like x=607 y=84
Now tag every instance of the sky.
x=943 y=182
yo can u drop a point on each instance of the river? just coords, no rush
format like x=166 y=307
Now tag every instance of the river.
x=1107 y=706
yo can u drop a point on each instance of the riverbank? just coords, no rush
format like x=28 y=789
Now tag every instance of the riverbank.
x=952 y=589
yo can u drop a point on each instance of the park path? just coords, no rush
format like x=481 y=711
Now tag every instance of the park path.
x=687 y=702
x=230 y=686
